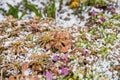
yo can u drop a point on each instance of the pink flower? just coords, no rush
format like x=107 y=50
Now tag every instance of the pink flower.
x=86 y=52
x=65 y=58
x=64 y=71
x=102 y=19
x=55 y=58
x=93 y=13
x=113 y=11
x=49 y=76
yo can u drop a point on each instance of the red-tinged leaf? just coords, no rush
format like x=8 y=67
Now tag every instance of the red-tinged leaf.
x=48 y=46
x=52 y=42
x=25 y=65
x=64 y=49
x=55 y=70
x=38 y=34
x=33 y=77
x=37 y=67
x=57 y=45
x=24 y=51
x=11 y=78
x=61 y=35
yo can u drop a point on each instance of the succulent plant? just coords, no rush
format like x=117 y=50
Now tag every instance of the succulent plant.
x=17 y=47
x=58 y=41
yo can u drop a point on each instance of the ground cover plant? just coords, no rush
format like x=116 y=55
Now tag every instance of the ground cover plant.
x=60 y=40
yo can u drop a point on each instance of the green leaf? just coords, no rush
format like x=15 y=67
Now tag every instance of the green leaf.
x=111 y=42
x=72 y=57
x=40 y=13
x=9 y=5
x=81 y=32
x=101 y=2
x=71 y=79
x=13 y=11
x=75 y=77
x=66 y=77
x=50 y=9
x=103 y=50
x=116 y=16
x=23 y=13
x=81 y=7
x=4 y=12
x=32 y=8
x=29 y=37
x=25 y=1
x=79 y=45
x=61 y=4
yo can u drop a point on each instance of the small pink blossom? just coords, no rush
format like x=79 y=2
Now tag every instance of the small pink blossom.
x=64 y=71
x=65 y=58
x=93 y=13
x=86 y=52
x=102 y=19
x=49 y=76
x=55 y=58
x=113 y=11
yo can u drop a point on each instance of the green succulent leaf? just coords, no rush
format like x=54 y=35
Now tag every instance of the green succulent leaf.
x=32 y=8
x=51 y=9
x=13 y=10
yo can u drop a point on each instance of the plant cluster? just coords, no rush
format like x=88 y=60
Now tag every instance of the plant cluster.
x=48 y=11
x=56 y=41
x=37 y=49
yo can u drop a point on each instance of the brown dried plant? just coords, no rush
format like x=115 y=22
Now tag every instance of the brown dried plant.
x=2 y=48
x=10 y=22
x=15 y=31
x=1 y=30
x=18 y=47
x=39 y=61
x=56 y=41
x=11 y=78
